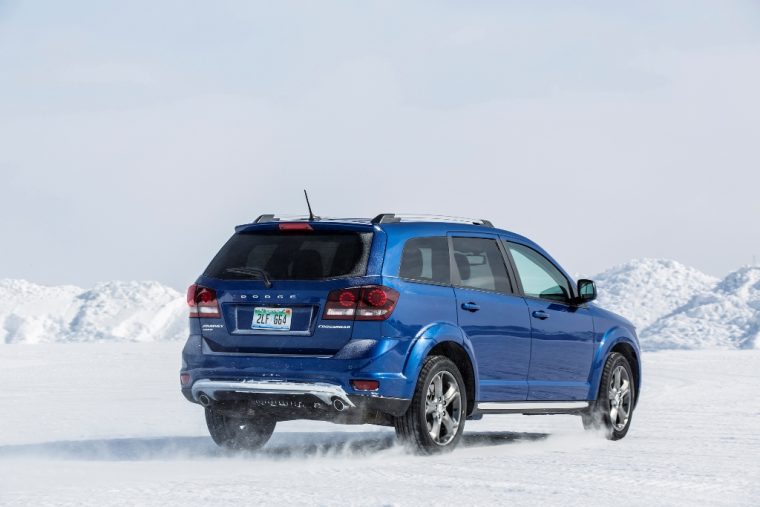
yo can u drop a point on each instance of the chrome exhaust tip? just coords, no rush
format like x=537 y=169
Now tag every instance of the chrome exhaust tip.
x=204 y=400
x=339 y=405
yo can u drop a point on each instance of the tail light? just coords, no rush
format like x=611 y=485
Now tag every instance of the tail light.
x=295 y=226
x=372 y=302
x=365 y=385
x=202 y=302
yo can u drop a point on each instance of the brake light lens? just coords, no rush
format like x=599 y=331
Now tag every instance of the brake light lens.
x=365 y=385
x=295 y=226
x=202 y=302
x=371 y=302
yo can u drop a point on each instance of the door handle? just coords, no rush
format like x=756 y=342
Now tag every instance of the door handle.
x=470 y=307
x=540 y=314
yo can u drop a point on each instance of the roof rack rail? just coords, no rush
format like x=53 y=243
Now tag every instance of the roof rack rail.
x=265 y=218
x=391 y=218
x=385 y=218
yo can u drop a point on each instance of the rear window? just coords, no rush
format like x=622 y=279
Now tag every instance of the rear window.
x=313 y=255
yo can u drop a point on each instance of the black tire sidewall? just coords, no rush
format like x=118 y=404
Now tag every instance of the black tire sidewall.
x=225 y=430
x=433 y=366
x=601 y=408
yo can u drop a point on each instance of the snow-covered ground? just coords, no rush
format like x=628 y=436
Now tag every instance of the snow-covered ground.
x=88 y=418
x=105 y=424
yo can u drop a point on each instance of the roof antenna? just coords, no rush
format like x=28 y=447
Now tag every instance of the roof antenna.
x=311 y=215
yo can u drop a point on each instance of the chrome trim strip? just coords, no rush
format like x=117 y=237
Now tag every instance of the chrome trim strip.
x=325 y=392
x=532 y=405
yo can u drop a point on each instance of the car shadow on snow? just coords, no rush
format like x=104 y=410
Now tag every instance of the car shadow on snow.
x=283 y=445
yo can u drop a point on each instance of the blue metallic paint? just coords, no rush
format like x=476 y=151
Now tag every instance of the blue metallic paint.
x=428 y=338
x=611 y=330
x=566 y=353
x=501 y=338
x=562 y=351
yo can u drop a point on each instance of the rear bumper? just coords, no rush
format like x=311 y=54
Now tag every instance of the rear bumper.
x=325 y=378
x=295 y=400
x=329 y=394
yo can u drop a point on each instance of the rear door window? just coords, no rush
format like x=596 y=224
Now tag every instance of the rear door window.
x=426 y=260
x=480 y=264
x=313 y=255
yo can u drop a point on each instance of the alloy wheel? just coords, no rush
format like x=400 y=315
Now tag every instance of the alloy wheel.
x=620 y=397
x=443 y=408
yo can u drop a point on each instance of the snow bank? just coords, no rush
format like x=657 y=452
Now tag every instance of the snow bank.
x=672 y=305
x=678 y=307
x=113 y=311
x=643 y=290
x=727 y=317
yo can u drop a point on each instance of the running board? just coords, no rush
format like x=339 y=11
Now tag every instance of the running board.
x=532 y=407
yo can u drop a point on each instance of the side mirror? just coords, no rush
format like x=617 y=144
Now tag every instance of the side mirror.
x=586 y=291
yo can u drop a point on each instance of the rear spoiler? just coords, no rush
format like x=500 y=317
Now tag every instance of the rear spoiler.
x=321 y=225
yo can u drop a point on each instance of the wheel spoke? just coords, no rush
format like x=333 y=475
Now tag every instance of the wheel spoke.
x=435 y=431
x=438 y=383
x=614 y=415
x=449 y=424
x=616 y=376
x=450 y=395
x=429 y=407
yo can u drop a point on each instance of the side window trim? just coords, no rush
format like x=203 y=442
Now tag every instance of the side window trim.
x=456 y=282
x=506 y=242
x=512 y=267
x=514 y=280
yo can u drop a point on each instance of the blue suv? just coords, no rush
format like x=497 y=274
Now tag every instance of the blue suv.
x=419 y=323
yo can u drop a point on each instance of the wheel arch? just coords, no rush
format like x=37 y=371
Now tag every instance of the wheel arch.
x=620 y=340
x=449 y=341
x=627 y=350
x=457 y=354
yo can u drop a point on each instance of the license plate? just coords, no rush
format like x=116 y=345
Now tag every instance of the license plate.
x=272 y=318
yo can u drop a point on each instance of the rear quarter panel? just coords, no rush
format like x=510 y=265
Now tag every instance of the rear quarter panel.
x=426 y=314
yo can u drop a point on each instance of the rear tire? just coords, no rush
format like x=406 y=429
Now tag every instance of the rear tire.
x=613 y=409
x=434 y=421
x=239 y=433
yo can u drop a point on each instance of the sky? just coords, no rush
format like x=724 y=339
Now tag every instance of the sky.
x=135 y=135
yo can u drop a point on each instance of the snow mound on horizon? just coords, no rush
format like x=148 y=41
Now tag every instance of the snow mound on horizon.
x=643 y=290
x=672 y=305
x=112 y=311
x=727 y=317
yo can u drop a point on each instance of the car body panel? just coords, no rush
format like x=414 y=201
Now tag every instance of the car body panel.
x=562 y=351
x=513 y=357
x=500 y=334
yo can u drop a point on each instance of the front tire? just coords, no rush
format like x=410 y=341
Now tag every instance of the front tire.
x=435 y=419
x=239 y=433
x=613 y=409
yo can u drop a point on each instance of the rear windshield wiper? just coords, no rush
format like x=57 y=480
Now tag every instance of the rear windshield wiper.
x=245 y=270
